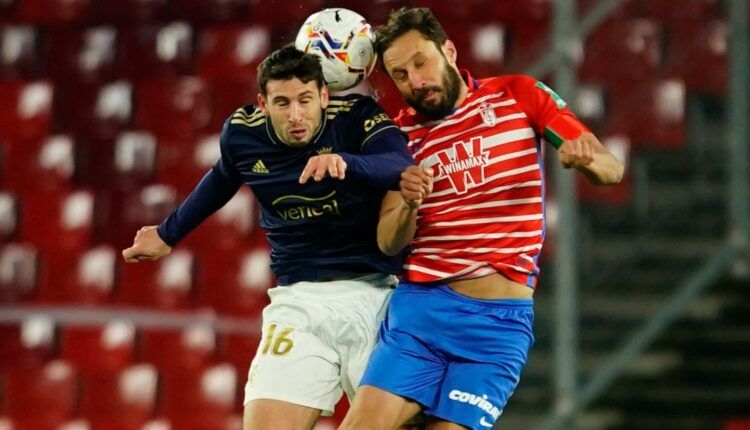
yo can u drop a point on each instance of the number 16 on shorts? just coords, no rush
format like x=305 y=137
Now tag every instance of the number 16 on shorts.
x=277 y=341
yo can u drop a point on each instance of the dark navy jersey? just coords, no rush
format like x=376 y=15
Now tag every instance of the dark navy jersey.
x=317 y=230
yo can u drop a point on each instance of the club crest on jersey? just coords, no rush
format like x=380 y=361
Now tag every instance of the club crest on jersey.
x=464 y=164
x=488 y=114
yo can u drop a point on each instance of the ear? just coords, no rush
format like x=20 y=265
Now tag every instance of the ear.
x=262 y=104
x=324 y=96
x=449 y=50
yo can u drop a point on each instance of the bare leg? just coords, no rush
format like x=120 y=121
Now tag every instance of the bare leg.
x=266 y=414
x=376 y=409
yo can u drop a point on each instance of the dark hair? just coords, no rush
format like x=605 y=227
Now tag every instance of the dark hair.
x=289 y=62
x=402 y=20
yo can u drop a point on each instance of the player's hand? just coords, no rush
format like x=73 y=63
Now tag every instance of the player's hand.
x=415 y=185
x=147 y=246
x=577 y=152
x=321 y=165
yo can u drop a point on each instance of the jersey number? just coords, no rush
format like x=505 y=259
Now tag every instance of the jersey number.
x=282 y=344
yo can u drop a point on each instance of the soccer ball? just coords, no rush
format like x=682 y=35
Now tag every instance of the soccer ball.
x=344 y=42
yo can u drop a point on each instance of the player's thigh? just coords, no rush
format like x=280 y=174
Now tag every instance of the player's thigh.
x=361 y=336
x=262 y=414
x=376 y=409
x=293 y=363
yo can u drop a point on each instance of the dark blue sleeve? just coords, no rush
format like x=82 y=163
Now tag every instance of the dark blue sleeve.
x=216 y=188
x=377 y=151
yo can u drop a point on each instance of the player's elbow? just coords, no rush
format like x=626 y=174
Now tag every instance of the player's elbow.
x=389 y=247
x=615 y=175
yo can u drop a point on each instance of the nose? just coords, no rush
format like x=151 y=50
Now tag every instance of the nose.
x=415 y=80
x=295 y=113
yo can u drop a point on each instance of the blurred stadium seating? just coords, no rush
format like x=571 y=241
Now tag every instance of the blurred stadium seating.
x=109 y=114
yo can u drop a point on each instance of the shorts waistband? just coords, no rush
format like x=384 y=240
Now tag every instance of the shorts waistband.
x=443 y=288
x=376 y=280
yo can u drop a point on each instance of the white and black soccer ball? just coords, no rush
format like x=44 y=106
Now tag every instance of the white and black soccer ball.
x=344 y=42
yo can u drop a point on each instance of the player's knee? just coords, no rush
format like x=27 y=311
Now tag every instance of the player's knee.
x=362 y=424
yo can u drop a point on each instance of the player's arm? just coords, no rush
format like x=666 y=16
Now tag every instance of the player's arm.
x=376 y=151
x=586 y=154
x=216 y=188
x=576 y=146
x=398 y=211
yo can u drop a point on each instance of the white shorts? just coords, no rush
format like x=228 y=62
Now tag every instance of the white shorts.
x=317 y=338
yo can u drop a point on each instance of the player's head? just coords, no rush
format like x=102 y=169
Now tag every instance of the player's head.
x=292 y=94
x=420 y=59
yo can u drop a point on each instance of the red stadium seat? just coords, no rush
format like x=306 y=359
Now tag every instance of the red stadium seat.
x=44 y=165
x=653 y=114
x=234 y=52
x=97 y=349
x=231 y=228
x=121 y=399
x=636 y=43
x=699 y=56
x=211 y=10
x=487 y=50
x=690 y=11
x=173 y=108
x=467 y=12
x=200 y=400
x=166 y=284
x=268 y=13
x=20 y=61
x=40 y=397
x=19 y=275
x=8 y=216
x=179 y=351
x=620 y=195
x=239 y=350
x=135 y=157
x=56 y=221
x=130 y=11
x=25 y=109
x=28 y=344
x=81 y=55
x=181 y=164
x=239 y=289
x=95 y=110
x=156 y=50
x=52 y=11
x=229 y=95
x=124 y=211
x=81 y=278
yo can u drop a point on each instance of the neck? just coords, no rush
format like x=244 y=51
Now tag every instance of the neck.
x=463 y=92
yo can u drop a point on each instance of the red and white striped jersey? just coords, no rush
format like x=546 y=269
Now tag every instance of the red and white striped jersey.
x=486 y=212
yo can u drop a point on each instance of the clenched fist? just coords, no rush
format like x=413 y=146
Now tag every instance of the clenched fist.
x=147 y=246
x=578 y=152
x=415 y=185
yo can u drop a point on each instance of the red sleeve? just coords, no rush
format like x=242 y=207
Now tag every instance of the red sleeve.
x=549 y=114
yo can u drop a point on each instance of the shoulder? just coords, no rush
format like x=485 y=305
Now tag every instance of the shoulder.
x=246 y=117
x=509 y=83
x=246 y=124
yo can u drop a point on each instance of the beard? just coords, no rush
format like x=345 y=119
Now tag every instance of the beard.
x=448 y=93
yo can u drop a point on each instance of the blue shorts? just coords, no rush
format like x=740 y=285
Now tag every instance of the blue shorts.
x=459 y=357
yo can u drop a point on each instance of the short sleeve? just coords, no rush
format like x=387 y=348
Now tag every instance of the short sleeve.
x=548 y=112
